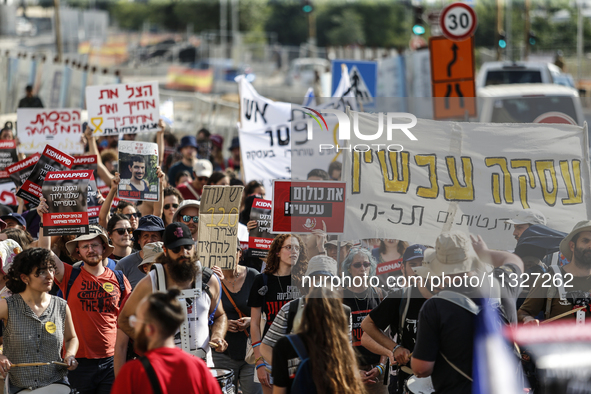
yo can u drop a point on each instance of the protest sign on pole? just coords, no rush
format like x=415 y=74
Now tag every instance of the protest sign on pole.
x=137 y=165
x=302 y=207
x=218 y=226
x=51 y=160
x=19 y=172
x=464 y=176
x=62 y=128
x=124 y=108
x=260 y=237
x=66 y=195
x=89 y=163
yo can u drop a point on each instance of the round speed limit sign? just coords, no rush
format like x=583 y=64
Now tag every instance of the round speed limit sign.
x=458 y=21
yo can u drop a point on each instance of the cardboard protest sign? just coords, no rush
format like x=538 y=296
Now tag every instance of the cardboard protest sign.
x=37 y=127
x=19 y=172
x=89 y=163
x=302 y=207
x=137 y=165
x=66 y=195
x=260 y=237
x=8 y=156
x=51 y=160
x=124 y=108
x=218 y=226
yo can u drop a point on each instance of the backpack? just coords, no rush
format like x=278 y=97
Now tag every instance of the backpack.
x=303 y=382
x=76 y=271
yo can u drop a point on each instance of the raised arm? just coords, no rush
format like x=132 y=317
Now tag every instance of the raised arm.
x=45 y=242
x=103 y=173
x=496 y=258
x=159 y=205
x=220 y=320
x=160 y=141
x=105 y=212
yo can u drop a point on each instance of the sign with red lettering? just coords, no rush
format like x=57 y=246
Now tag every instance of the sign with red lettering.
x=127 y=108
x=51 y=160
x=37 y=127
x=66 y=195
x=302 y=207
x=8 y=156
x=19 y=172
x=137 y=164
x=260 y=237
x=90 y=163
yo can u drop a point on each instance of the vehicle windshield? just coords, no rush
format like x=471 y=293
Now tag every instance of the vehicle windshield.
x=526 y=109
x=503 y=77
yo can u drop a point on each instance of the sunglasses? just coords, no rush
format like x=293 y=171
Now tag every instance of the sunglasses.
x=203 y=178
x=178 y=248
x=137 y=215
x=358 y=265
x=167 y=206
x=187 y=218
x=122 y=231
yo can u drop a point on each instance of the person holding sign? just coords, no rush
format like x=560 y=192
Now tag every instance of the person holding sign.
x=201 y=293
x=38 y=326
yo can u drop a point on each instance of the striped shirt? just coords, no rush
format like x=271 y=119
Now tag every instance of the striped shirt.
x=29 y=338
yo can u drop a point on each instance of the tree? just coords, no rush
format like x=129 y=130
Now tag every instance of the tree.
x=348 y=29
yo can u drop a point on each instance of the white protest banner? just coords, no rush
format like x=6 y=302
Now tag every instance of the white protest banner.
x=61 y=128
x=124 y=108
x=464 y=176
x=218 y=226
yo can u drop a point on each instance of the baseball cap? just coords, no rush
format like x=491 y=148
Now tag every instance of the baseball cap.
x=177 y=234
x=16 y=216
x=528 y=216
x=203 y=167
x=412 y=252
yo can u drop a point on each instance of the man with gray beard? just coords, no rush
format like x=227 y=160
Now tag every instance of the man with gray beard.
x=200 y=289
x=559 y=290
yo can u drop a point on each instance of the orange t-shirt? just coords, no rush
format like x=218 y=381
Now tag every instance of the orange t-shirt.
x=94 y=304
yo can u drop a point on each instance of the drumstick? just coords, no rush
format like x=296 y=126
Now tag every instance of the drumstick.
x=563 y=314
x=60 y=363
x=39 y=364
x=213 y=344
x=406 y=369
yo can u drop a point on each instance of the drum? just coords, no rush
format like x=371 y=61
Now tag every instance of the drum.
x=225 y=378
x=56 y=388
x=419 y=385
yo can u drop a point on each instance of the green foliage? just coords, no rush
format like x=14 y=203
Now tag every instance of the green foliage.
x=348 y=29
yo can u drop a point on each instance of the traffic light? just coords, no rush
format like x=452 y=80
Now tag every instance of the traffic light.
x=502 y=40
x=307 y=6
x=532 y=38
x=418 y=27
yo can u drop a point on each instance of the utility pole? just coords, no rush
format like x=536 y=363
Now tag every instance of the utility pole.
x=580 y=42
x=508 y=21
x=499 y=26
x=312 y=33
x=58 y=30
x=526 y=33
x=235 y=25
x=224 y=26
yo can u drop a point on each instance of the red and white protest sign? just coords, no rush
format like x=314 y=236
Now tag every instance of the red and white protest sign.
x=66 y=195
x=260 y=237
x=37 y=127
x=8 y=156
x=19 y=172
x=123 y=109
x=89 y=163
x=302 y=207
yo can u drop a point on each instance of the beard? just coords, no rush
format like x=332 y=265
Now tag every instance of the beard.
x=582 y=257
x=92 y=261
x=140 y=343
x=182 y=269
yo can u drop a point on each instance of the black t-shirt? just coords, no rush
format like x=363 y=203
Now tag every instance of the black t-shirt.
x=237 y=340
x=285 y=363
x=361 y=305
x=279 y=292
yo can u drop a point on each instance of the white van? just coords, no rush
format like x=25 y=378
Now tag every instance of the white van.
x=525 y=103
x=301 y=71
x=504 y=73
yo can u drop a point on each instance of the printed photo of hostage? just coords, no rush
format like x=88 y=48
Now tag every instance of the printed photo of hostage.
x=138 y=162
x=51 y=160
x=66 y=195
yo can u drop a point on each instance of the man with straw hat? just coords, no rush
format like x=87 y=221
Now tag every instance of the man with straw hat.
x=94 y=294
x=445 y=336
x=551 y=292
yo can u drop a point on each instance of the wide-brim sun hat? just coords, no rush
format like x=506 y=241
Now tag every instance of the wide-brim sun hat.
x=94 y=232
x=185 y=204
x=580 y=227
x=321 y=265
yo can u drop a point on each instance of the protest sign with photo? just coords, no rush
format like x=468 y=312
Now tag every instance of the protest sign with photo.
x=51 y=160
x=66 y=195
x=89 y=163
x=465 y=176
x=260 y=237
x=127 y=108
x=137 y=166
x=19 y=172
x=8 y=156
x=218 y=226
x=302 y=207
x=62 y=128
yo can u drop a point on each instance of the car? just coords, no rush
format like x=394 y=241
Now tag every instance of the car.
x=530 y=103
x=301 y=71
x=504 y=73
x=24 y=27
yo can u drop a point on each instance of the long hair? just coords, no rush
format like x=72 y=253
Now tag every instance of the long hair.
x=324 y=330
x=298 y=269
x=349 y=260
x=400 y=247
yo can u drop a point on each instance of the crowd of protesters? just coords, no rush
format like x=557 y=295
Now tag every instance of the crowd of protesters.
x=129 y=308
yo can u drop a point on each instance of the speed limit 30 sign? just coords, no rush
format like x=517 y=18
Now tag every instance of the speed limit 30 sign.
x=458 y=21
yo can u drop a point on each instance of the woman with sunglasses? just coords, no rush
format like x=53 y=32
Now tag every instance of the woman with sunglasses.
x=359 y=295
x=271 y=290
x=170 y=200
x=125 y=208
x=119 y=231
x=38 y=326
